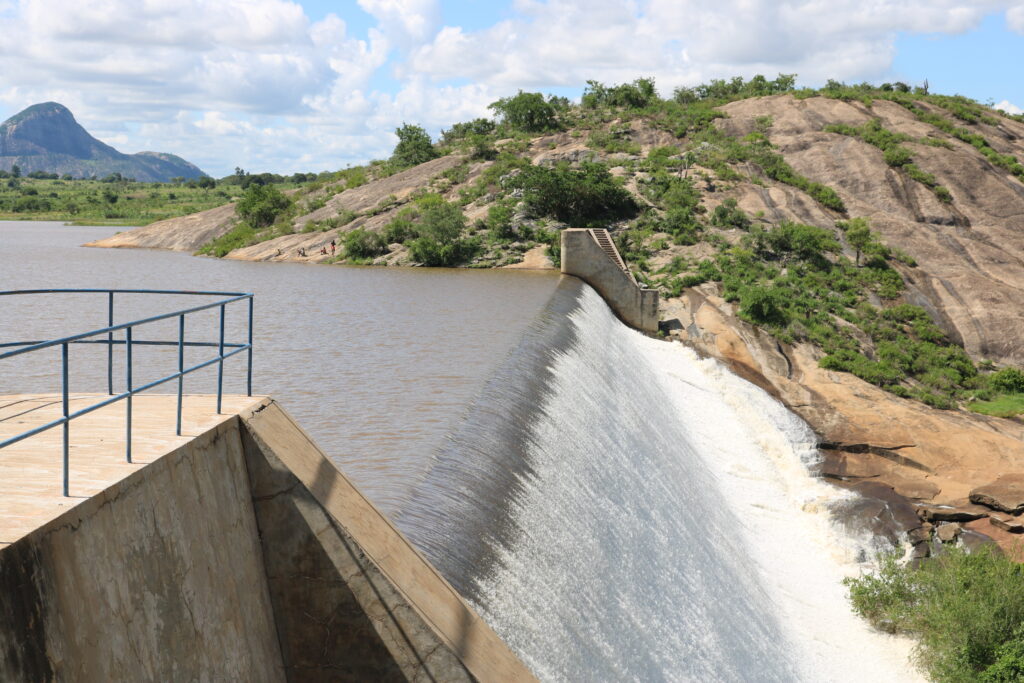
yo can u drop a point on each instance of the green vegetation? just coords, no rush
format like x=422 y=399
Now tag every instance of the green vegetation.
x=528 y=112
x=260 y=205
x=414 y=147
x=265 y=213
x=967 y=610
x=582 y=197
x=113 y=202
x=440 y=240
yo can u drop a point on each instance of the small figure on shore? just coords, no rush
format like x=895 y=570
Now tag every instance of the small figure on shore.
x=332 y=247
x=278 y=252
x=323 y=251
x=302 y=252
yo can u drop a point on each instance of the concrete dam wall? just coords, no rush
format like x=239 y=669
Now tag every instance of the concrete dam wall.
x=242 y=555
x=591 y=256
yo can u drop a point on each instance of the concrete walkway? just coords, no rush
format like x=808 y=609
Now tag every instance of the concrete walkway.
x=30 y=470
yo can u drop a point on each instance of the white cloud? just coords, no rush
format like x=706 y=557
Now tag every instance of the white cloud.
x=1008 y=107
x=256 y=83
x=1015 y=18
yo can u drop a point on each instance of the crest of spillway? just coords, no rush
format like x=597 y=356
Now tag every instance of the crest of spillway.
x=620 y=509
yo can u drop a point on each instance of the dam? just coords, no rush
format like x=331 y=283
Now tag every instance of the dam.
x=612 y=507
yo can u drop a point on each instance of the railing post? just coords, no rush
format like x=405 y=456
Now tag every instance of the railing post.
x=128 y=384
x=64 y=398
x=220 y=364
x=110 y=344
x=181 y=364
x=248 y=376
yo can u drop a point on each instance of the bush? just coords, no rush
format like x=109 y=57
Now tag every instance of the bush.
x=361 y=243
x=414 y=146
x=528 y=112
x=897 y=156
x=636 y=95
x=1008 y=380
x=440 y=241
x=966 y=609
x=585 y=196
x=499 y=221
x=764 y=305
x=260 y=205
x=729 y=215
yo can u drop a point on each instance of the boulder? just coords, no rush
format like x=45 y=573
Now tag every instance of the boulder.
x=1005 y=493
x=947 y=532
x=972 y=541
x=1015 y=525
x=949 y=513
x=878 y=510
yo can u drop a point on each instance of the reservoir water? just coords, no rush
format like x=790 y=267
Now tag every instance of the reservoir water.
x=615 y=507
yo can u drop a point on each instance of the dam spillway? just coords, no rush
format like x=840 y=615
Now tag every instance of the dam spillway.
x=582 y=445
x=627 y=511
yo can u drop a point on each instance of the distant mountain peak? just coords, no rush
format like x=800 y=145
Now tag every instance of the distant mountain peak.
x=46 y=137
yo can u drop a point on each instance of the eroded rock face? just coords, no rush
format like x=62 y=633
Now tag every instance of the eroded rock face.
x=970 y=252
x=1005 y=493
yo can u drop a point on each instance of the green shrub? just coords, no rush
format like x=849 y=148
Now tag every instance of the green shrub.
x=499 y=220
x=440 y=241
x=527 y=111
x=967 y=611
x=1008 y=380
x=764 y=305
x=636 y=95
x=729 y=215
x=260 y=205
x=582 y=197
x=897 y=156
x=361 y=243
x=414 y=146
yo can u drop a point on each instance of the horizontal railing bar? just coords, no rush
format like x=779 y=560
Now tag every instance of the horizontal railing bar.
x=122 y=326
x=9 y=292
x=135 y=342
x=118 y=397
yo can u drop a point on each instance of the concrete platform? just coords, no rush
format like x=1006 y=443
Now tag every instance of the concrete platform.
x=31 y=473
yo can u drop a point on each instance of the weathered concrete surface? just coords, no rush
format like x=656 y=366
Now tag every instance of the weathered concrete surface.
x=429 y=630
x=31 y=470
x=159 y=577
x=584 y=258
x=243 y=554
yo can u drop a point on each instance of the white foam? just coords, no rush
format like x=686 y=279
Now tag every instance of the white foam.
x=760 y=454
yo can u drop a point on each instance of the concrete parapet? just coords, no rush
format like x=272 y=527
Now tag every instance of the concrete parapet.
x=241 y=555
x=590 y=256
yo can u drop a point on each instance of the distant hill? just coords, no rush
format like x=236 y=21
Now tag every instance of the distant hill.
x=46 y=137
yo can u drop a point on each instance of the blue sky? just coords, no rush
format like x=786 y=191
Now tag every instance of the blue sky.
x=316 y=85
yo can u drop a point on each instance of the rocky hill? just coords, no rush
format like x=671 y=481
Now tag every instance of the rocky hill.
x=858 y=252
x=46 y=137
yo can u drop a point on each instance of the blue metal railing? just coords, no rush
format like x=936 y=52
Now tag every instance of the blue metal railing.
x=226 y=298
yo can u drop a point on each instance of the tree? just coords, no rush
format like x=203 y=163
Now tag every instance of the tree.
x=260 y=205
x=414 y=146
x=527 y=111
x=440 y=241
x=858 y=234
x=206 y=182
x=16 y=171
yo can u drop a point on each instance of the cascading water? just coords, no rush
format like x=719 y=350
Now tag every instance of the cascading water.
x=619 y=509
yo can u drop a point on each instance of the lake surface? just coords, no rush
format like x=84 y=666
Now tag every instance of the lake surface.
x=376 y=363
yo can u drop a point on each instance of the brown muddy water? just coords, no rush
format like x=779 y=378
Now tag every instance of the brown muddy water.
x=376 y=363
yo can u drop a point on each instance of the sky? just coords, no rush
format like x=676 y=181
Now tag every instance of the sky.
x=314 y=85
